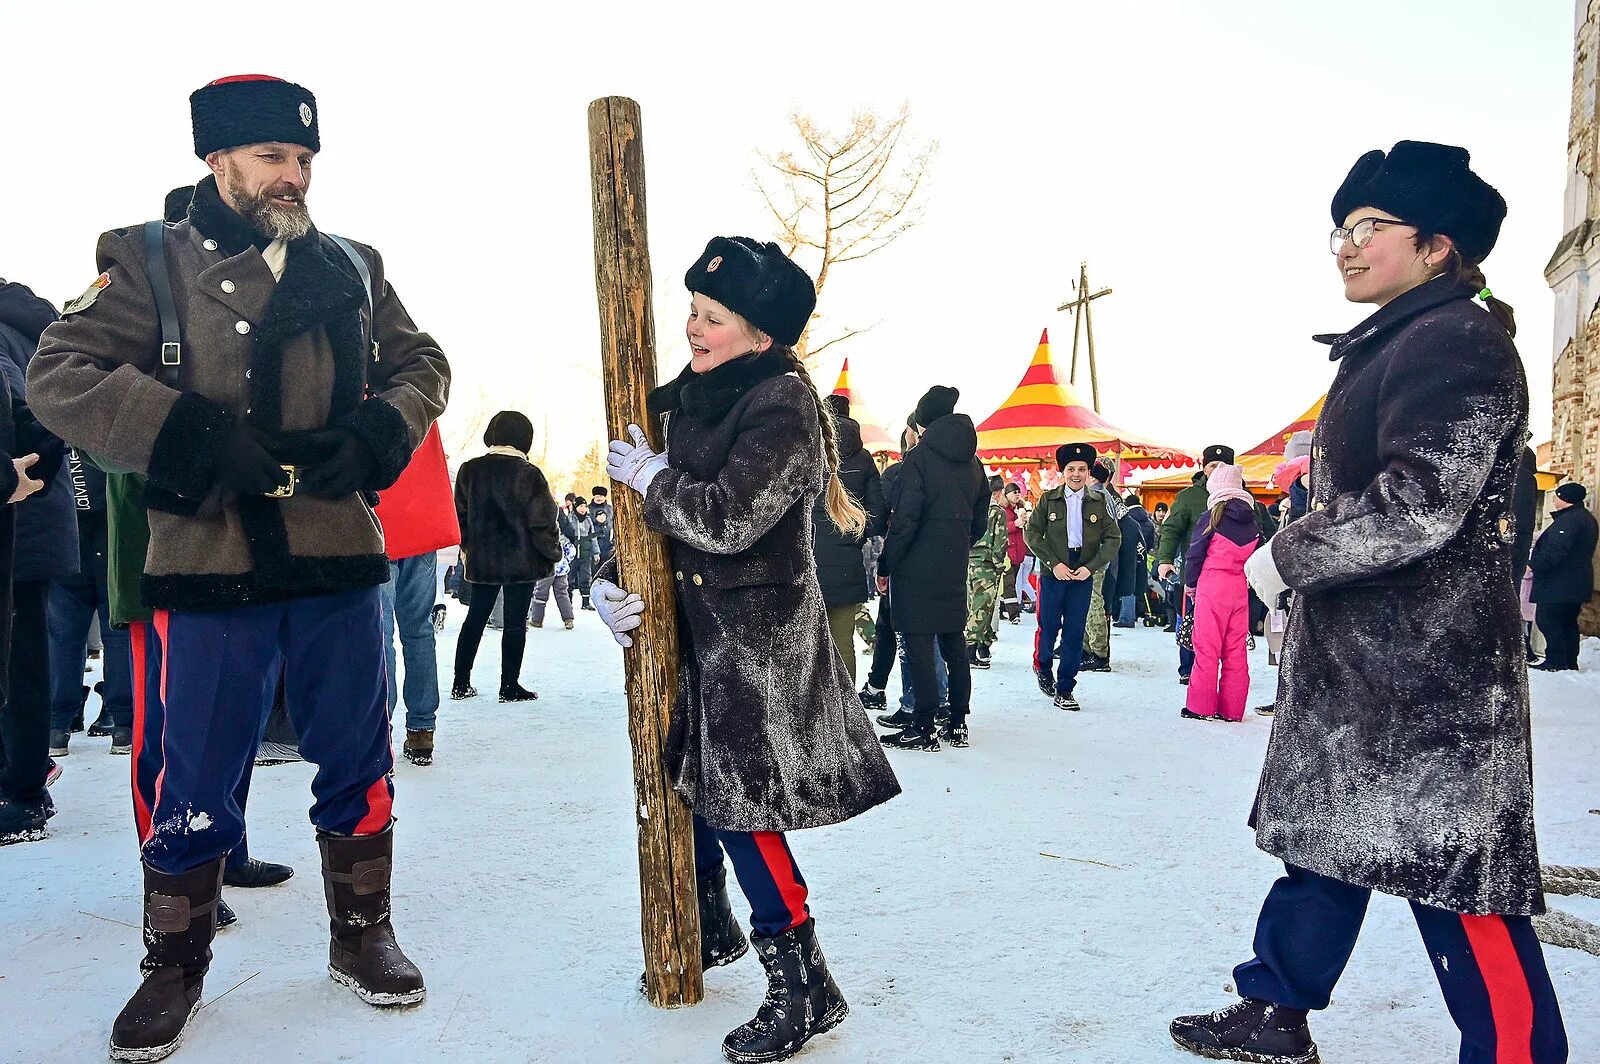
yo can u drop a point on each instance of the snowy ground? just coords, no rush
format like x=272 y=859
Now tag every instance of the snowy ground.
x=1056 y=892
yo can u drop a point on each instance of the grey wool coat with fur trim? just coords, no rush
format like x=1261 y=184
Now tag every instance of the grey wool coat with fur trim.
x=288 y=357
x=767 y=732
x=1400 y=756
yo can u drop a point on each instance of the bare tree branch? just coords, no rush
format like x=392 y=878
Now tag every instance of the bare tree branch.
x=840 y=197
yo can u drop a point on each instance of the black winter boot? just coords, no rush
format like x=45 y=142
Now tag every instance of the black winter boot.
x=1251 y=1030
x=722 y=941
x=254 y=873
x=362 y=953
x=802 y=999
x=180 y=918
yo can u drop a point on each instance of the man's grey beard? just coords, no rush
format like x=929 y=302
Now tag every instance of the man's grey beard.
x=269 y=219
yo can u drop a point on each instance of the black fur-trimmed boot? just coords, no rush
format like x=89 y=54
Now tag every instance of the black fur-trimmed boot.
x=802 y=999
x=362 y=952
x=180 y=919
x=1251 y=1030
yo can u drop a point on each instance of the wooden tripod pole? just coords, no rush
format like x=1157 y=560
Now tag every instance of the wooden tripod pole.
x=669 y=914
x=1077 y=319
x=1088 y=334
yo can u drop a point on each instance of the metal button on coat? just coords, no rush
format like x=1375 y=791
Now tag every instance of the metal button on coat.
x=679 y=575
x=241 y=327
x=228 y=286
x=697 y=580
x=209 y=245
x=246 y=374
x=1319 y=506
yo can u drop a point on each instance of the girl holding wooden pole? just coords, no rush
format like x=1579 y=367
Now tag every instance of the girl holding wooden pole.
x=767 y=732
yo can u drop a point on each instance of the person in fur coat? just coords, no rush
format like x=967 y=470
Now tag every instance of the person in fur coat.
x=767 y=733
x=1400 y=758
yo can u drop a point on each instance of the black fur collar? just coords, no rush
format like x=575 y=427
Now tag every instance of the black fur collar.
x=221 y=222
x=707 y=397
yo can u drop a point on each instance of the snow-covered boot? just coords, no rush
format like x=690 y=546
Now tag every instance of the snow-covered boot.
x=1046 y=680
x=802 y=999
x=722 y=940
x=180 y=918
x=1251 y=1030
x=975 y=659
x=912 y=738
x=515 y=692
x=872 y=699
x=362 y=952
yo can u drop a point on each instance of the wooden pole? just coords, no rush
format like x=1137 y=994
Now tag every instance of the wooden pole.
x=1077 y=322
x=669 y=914
x=1088 y=332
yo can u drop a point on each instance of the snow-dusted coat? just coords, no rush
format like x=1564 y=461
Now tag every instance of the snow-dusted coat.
x=1400 y=755
x=767 y=732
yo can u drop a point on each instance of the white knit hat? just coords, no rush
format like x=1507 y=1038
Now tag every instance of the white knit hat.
x=1227 y=482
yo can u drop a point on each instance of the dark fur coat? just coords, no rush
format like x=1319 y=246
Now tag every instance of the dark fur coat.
x=1400 y=756
x=767 y=732
x=508 y=520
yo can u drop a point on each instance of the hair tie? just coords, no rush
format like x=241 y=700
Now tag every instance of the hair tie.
x=1485 y=295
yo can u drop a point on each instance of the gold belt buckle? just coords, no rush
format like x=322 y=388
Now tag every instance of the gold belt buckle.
x=287 y=491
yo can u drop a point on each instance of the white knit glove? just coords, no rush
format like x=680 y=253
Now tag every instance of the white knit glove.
x=1261 y=570
x=634 y=464
x=622 y=612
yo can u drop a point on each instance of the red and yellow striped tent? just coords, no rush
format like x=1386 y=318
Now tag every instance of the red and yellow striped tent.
x=1043 y=412
x=874 y=437
x=1258 y=462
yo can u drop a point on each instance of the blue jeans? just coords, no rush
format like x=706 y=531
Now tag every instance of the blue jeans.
x=1128 y=609
x=908 y=697
x=408 y=598
x=70 y=609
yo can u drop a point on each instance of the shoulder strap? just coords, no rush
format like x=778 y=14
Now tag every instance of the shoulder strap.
x=359 y=263
x=155 y=255
x=365 y=274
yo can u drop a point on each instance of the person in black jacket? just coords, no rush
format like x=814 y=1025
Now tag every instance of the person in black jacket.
x=1133 y=564
x=940 y=510
x=1563 y=576
x=509 y=538
x=74 y=602
x=40 y=529
x=841 y=571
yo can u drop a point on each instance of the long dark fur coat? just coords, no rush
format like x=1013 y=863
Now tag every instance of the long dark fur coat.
x=1400 y=755
x=767 y=731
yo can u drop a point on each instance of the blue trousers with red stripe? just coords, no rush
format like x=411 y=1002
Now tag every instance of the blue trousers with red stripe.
x=149 y=723
x=1063 y=609
x=1490 y=968
x=766 y=871
x=215 y=667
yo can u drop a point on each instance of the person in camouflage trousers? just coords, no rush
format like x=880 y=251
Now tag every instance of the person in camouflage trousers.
x=986 y=572
x=1097 y=633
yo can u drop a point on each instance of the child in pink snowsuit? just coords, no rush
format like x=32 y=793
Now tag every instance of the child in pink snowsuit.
x=1214 y=568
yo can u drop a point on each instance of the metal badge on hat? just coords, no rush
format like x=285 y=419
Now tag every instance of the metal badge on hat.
x=305 y=115
x=711 y=267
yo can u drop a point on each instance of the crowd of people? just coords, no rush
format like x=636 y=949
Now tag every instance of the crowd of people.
x=223 y=457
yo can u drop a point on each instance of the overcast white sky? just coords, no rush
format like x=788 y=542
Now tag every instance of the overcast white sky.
x=1187 y=150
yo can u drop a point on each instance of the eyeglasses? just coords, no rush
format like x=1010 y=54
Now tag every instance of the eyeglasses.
x=1360 y=234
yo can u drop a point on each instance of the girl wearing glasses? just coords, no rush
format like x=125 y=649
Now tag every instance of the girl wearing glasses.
x=1400 y=758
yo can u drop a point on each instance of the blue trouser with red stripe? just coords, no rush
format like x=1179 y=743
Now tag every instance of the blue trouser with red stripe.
x=766 y=871
x=1490 y=968
x=215 y=668
x=1063 y=610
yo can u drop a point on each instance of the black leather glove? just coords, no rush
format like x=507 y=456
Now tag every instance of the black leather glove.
x=348 y=469
x=245 y=466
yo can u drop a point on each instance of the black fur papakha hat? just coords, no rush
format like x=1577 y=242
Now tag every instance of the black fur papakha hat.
x=838 y=404
x=1068 y=453
x=1217 y=452
x=758 y=282
x=937 y=402
x=1430 y=186
x=251 y=109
